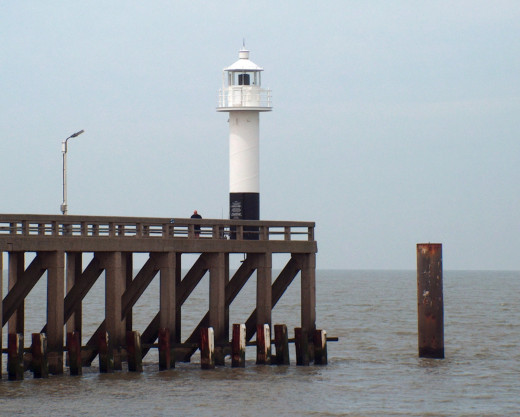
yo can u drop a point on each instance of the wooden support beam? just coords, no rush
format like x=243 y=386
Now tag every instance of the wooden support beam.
x=280 y=285
x=74 y=266
x=20 y=284
x=54 y=262
x=128 y=259
x=218 y=279
x=106 y=359
x=138 y=286
x=308 y=292
x=263 y=289
x=114 y=289
x=167 y=298
x=1 y=307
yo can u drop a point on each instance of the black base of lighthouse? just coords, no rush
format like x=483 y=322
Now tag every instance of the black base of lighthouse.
x=245 y=206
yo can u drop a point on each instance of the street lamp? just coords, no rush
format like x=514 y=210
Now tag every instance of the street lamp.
x=63 y=206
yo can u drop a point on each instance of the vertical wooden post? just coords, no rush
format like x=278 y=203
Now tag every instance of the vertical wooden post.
x=54 y=262
x=74 y=351
x=281 y=342
x=238 y=346
x=263 y=344
x=15 y=356
x=263 y=288
x=207 y=348
x=129 y=273
x=106 y=359
x=178 y=307
x=73 y=274
x=218 y=311
x=430 y=300
x=164 y=349
x=114 y=288
x=167 y=309
x=16 y=267
x=320 y=347
x=302 y=346
x=39 y=364
x=134 y=351
x=308 y=292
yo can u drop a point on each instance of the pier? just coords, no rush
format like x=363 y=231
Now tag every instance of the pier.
x=57 y=245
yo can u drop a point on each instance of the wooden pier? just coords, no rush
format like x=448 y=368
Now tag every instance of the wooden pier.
x=59 y=242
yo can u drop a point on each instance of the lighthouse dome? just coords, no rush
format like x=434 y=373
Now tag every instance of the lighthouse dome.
x=243 y=63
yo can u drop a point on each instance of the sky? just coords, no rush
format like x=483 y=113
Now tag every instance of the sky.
x=393 y=123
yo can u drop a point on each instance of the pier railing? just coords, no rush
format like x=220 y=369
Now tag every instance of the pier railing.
x=40 y=226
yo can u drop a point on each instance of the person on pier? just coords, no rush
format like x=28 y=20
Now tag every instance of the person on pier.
x=196 y=215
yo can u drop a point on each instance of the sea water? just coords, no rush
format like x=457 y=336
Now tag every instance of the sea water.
x=373 y=369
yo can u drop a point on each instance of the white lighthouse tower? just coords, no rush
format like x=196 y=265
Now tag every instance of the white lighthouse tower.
x=243 y=97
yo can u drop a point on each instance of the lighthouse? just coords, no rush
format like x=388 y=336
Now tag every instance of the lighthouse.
x=243 y=97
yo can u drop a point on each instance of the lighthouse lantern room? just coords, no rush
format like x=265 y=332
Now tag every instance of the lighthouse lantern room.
x=243 y=97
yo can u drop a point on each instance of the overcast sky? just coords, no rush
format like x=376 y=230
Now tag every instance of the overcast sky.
x=394 y=122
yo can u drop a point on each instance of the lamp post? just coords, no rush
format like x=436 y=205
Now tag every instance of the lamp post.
x=63 y=206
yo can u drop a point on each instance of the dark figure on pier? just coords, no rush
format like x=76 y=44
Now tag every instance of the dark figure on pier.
x=196 y=215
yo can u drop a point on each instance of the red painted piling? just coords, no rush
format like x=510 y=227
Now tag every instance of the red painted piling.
x=74 y=353
x=263 y=344
x=165 y=356
x=430 y=300
x=301 y=344
x=134 y=351
x=39 y=364
x=15 y=356
x=281 y=343
x=106 y=360
x=320 y=347
x=238 y=346
x=207 y=348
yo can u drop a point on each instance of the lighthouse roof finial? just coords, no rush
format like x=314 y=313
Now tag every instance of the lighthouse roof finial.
x=244 y=63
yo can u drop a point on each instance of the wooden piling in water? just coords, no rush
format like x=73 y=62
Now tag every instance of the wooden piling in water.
x=39 y=364
x=238 y=346
x=320 y=347
x=74 y=353
x=430 y=300
x=106 y=360
x=207 y=348
x=301 y=344
x=134 y=351
x=165 y=356
x=15 y=356
x=281 y=342
x=263 y=344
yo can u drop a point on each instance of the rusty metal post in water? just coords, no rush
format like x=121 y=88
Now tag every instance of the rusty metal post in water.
x=430 y=303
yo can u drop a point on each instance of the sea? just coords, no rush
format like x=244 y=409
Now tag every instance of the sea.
x=373 y=369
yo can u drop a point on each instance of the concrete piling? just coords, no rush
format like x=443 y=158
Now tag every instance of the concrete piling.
x=39 y=364
x=238 y=346
x=281 y=342
x=430 y=300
